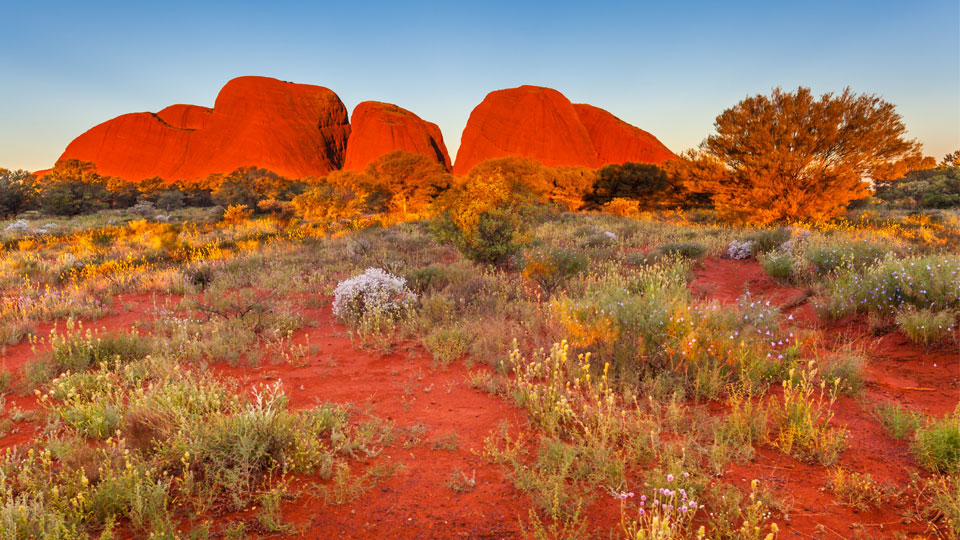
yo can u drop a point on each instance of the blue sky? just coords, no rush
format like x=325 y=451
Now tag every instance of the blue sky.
x=669 y=68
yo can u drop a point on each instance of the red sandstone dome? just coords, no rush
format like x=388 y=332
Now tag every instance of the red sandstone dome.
x=617 y=141
x=542 y=124
x=186 y=116
x=380 y=128
x=295 y=130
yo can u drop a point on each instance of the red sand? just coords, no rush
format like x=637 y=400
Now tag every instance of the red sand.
x=406 y=389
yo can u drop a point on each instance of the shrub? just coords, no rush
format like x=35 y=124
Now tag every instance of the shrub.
x=77 y=352
x=767 y=240
x=779 y=266
x=372 y=291
x=945 y=502
x=622 y=207
x=493 y=239
x=236 y=214
x=332 y=205
x=552 y=267
x=925 y=326
x=447 y=344
x=931 y=282
x=899 y=422
x=857 y=490
x=16 y=192
x=740 y=249
x=805 y=430
x=937 y=444
x=687 y=250
x=851 y=256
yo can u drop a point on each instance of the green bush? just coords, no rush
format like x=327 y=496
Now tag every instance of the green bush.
x=931 y=282
x=687 y=250
x=72 y=197
x=16 y=192
x=930 y=188
x=937 y=444
x=77 y=352
x=850 y=256
x=779 y=265
x=767 y=240
x=492 y=241
x=552 y=267
x=925 y=326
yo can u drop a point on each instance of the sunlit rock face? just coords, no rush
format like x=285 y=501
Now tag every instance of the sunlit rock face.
x=295 y=130
x=541 y=123
x=380 y=128
x=617 y=141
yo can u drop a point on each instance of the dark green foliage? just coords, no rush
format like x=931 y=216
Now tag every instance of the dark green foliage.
x=16 y=192
x=248 y=185
x=72 y=197
x=937 y=445
x=648 y=184
x=170 y=199
x=931 y=188
x=767 y=240
x=493 y=240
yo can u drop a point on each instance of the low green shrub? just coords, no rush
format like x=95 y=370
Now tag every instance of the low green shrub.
x=552 y=267
x=767 y=240
x=848 y=255
x=687 y=250
x=779 y=265
x=899 y=422
x=925 y=326
x=937 y=444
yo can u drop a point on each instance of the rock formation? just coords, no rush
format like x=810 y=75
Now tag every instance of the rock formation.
x=380 y=128
x=530 y=121
x=299 y=130
x=542 y=124
x=295 y=130
x=617 y=141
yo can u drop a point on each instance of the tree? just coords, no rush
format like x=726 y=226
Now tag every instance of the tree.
x=16 y=191
x=647 y=184
x=951 y=160
x=73 y=187
x=571 y=185
x=410 y=182
x=901 y=168
x=523 y=175
x=791 y=156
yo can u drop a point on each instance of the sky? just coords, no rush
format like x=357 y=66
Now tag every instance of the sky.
x=667 y=67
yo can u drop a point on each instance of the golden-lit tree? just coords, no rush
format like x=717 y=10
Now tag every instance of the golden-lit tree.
x=898 y=169
x=410 y=182
x=523 y=175
x=792 y=156
x=571 y=185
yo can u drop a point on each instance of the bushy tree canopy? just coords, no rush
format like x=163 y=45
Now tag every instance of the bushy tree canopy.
x=792 y=156
x=16 y=191
x=648 y=184
x=408 y=182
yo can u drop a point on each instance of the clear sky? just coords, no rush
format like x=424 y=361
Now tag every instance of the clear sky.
x=667 y=67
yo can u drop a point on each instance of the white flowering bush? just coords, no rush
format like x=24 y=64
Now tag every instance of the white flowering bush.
x=372 y=291
x=740 y=249
x=18 y=226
